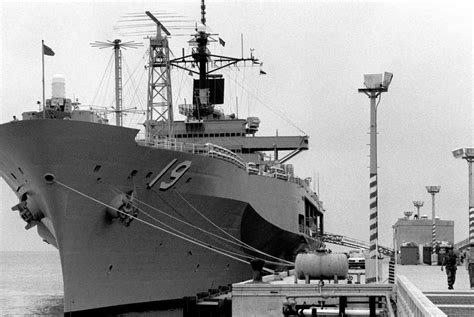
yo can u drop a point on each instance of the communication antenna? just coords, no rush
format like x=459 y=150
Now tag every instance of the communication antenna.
x=160 y=101
x=117 y=45
x=139 y=24
x=151 y=25
x=203 y=12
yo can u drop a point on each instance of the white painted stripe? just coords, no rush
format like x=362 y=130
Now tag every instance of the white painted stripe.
x=455 y=306
x=449 y=294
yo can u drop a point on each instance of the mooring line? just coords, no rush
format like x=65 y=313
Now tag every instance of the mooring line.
x=209 y=247
x=225 y=232
x=238 y=243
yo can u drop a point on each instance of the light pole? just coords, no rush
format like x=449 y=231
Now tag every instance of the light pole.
x=418 y=204
x=433 y=190
x=375 y=85
x=468 y=155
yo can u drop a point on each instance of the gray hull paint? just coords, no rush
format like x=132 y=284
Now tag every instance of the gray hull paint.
x=107 y=264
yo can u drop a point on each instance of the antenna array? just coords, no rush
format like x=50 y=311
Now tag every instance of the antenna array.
x=139 y=24
x=117 y=46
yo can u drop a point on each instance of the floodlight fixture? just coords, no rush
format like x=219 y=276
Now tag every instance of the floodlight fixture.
x=465 y=153
x=377 y=82
x=458 y=153
x=387 y=79
x=418 y=204
x=469 y=152
x=373 y=81
x=433 y=189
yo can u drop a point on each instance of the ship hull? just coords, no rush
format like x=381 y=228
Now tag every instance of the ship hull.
x=74 y=175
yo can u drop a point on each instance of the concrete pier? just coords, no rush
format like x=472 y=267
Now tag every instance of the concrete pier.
x=432 y=282
x=421 y=290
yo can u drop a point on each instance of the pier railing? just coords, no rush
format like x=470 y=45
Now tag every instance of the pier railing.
x=412 y=302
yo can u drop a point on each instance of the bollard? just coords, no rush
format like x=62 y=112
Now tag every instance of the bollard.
x=257 y=266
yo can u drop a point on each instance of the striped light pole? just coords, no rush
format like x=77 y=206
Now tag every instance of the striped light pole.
x=468 y=155
x=433 y=190
x=418 y=204
x=375 y=85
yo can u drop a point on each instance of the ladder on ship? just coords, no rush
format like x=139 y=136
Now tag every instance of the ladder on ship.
x=353 y=243
x=462 y=245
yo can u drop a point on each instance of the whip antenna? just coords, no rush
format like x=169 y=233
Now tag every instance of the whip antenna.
x=117 y=45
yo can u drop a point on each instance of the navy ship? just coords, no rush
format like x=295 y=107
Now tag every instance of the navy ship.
x=150 y=218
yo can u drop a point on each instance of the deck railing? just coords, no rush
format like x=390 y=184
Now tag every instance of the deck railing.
x=412 y=302
x=222 y=153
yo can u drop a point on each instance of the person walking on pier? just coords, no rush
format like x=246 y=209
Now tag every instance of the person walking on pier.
x=470 y=266
x=450 y=261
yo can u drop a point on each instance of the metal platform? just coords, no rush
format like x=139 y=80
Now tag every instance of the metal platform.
x=280 y=296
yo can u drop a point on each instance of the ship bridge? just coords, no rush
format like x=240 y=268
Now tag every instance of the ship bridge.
x=237 y=135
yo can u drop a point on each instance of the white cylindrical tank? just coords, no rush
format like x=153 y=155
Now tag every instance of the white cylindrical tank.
x=59 y=86
x=321 y=265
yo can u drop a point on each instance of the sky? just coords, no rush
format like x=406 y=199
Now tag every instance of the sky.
x=315 y=54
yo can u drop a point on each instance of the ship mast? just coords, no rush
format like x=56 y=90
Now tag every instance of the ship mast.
x=208 y=88
x=160 y=104
x=201 y=57
x=118 y=83
x=117 y=45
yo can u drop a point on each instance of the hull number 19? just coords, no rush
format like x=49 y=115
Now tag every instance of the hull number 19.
x=175 y=175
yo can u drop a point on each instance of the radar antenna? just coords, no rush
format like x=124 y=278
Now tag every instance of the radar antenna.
x=208 y=88
x=117 y=45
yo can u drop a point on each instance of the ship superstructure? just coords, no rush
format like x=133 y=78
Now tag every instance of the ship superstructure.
x=176 y=212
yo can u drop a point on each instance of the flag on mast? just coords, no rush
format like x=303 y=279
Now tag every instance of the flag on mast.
x=47 y=50
x=221 y=42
